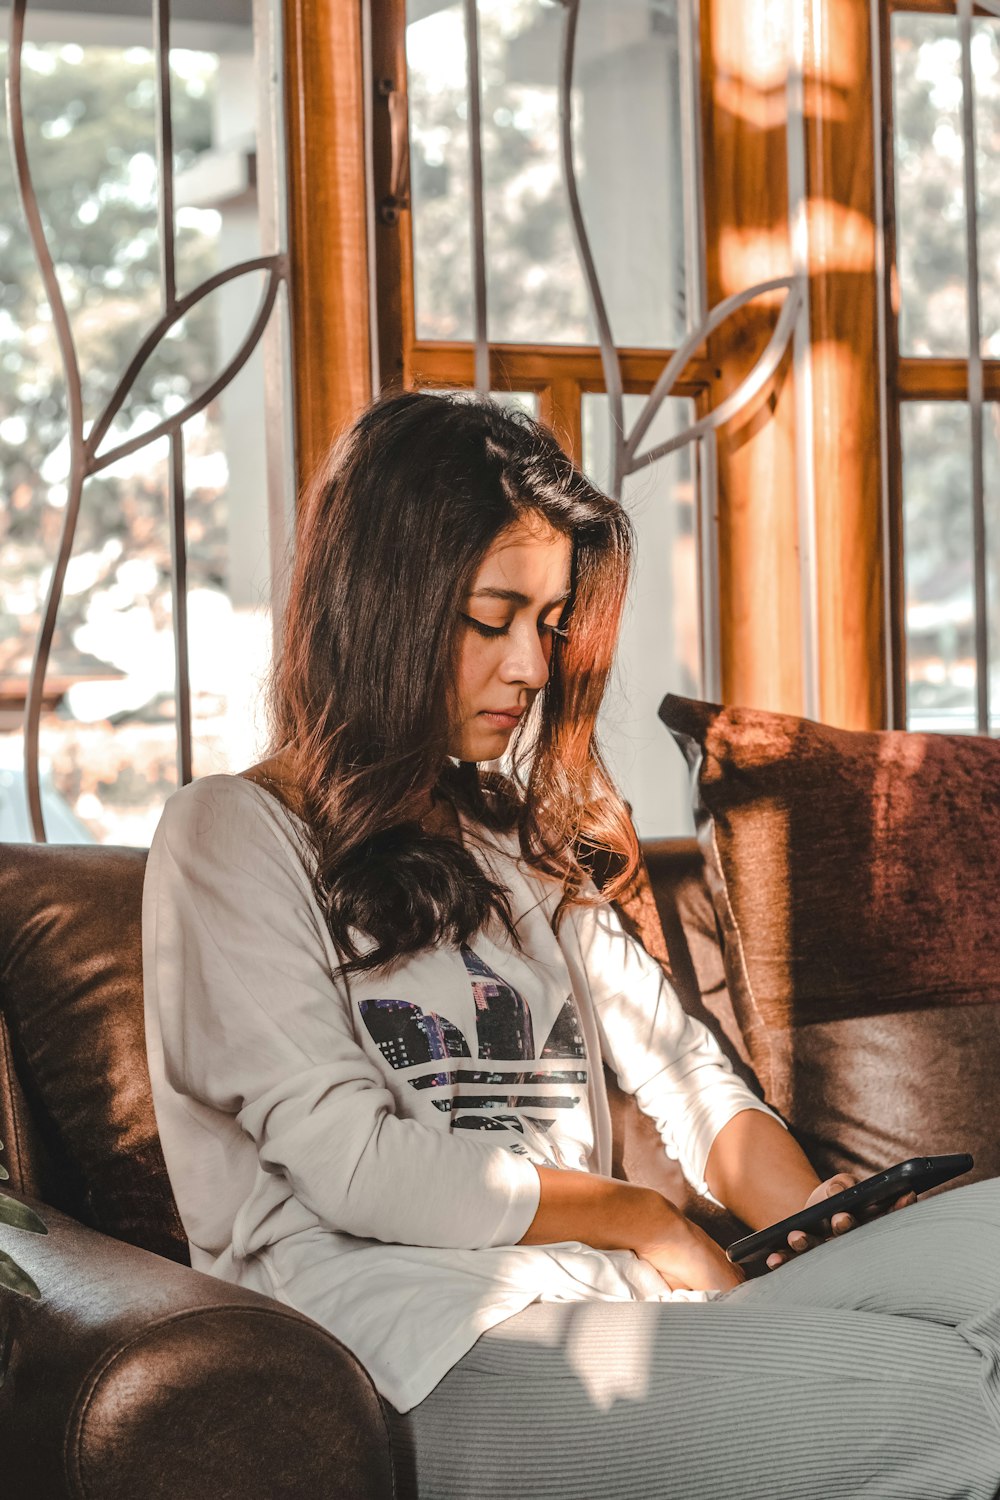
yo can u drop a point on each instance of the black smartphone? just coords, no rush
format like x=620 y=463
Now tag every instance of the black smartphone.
x=916 y=1176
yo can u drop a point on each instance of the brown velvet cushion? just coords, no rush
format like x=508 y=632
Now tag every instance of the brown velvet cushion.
x=71 y=993
x=856 y=880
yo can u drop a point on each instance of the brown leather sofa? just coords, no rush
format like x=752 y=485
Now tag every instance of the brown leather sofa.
x=134 y=1375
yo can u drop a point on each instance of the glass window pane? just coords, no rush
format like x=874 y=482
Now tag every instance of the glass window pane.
x=658 y=649
x=109 y=729
x=535 y=290
x=229 y=581
x=938 y=563
x=986 y=69
x=938 y=566
x=991 y=505
x=213 y=104
x=628 y=154
x=930 y=194
x=439 y=170
x=930 y=183
x=525 y=400
x=90 y=126
x=107 y=739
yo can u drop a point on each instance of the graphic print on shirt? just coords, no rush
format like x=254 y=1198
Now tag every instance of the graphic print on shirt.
x=407 y=1035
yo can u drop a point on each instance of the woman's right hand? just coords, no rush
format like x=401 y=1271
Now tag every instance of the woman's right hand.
x=688 y=1259
x=613 y=1215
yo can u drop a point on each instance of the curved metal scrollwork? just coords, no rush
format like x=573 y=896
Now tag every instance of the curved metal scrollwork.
x=753 y=381
x=85 y=457
x=623 y=446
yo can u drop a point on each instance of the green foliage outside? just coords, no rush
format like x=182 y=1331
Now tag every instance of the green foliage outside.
x=91 y=138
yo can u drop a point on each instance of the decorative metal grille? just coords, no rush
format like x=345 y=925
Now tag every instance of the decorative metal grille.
x=87 y=455
x=791 y=326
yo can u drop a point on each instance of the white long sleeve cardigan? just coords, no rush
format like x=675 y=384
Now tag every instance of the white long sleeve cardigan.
x=366 y=1153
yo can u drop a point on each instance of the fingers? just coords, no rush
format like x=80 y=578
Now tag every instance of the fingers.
x=841 y=1223
x=873 y=1210
x=799 y=1242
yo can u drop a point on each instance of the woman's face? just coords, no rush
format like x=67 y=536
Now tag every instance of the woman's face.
x=506 y=632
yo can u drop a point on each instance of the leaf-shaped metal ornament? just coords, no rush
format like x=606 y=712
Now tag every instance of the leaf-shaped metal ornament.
x=15 y=1279
x=753 y=381
x=85 y=459
x=20 y=1215
x=100 y=456
x=4 y=1174
x=623 y=447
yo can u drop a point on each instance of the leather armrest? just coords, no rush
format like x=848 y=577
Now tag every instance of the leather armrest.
x=135 y=1376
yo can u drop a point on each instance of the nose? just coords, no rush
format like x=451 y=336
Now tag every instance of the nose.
x=527 y=661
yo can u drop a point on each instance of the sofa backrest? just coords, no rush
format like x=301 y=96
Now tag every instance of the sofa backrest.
x=77 y=1117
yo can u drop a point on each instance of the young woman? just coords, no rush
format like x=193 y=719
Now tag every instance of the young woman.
x=380 y=988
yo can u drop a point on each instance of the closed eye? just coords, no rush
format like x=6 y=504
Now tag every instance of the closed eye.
x=492 y=631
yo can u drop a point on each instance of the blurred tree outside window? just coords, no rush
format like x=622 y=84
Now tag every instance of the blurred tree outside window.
x=108 y=729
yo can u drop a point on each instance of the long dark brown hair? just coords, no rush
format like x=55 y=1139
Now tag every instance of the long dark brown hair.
x=392 y=531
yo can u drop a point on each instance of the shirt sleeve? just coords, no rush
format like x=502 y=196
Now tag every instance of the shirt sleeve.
x=254 y=1024
x=667 y=1058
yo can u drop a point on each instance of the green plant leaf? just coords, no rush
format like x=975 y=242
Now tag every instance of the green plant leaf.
x=4 y=1174
x=17 y=1280
x=20 y=1215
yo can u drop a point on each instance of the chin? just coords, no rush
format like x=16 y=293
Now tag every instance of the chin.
x=481 y=744
x=477 y=752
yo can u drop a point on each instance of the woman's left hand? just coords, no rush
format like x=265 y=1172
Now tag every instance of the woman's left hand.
x=799 y=1242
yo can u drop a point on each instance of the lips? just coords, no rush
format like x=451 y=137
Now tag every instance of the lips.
x=508 y=713
x=502 y=720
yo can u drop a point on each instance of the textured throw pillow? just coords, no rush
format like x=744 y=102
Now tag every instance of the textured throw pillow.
x=856 y=881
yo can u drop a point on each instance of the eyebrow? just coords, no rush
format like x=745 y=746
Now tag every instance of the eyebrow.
x=515 y=597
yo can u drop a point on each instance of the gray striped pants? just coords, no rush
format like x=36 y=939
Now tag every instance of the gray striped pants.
x=869 y=1366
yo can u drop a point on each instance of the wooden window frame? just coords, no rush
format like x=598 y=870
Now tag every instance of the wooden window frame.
x=327 y=222
x=346 y=263
x=560 y=374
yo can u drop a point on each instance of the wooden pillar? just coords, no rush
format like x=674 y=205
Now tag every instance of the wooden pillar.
x=326 y=221
x=747 y=51
x=745 y=57
x=851 y=578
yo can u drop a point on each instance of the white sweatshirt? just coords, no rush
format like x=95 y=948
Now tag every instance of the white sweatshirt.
x=367 y=1157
